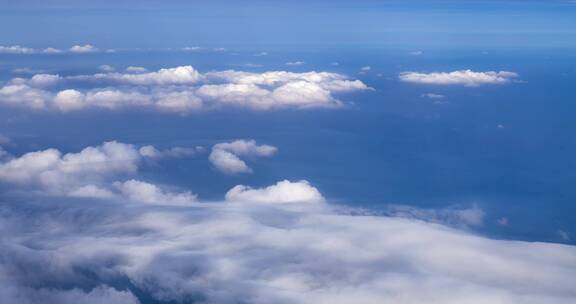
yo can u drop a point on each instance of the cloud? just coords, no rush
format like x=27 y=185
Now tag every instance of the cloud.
x=295 y=63
x=16 y=49
x=106 y=68
x=54 y=171
x=226 y=156
x=455 y=216
x=366 y=68
x=87 y=48
x=182 y=90
x=175 y=152
x=280 y=193
x=136 y=70
x=263 y=253
x=464 y=77
x=143 y=192
x=433 y=96
x=416 y=53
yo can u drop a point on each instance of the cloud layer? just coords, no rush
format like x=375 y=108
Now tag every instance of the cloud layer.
x=462 y=77
x=230 y=253
x=180 y=89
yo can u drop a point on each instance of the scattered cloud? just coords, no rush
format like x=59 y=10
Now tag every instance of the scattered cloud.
x=455 y=216
x=433 y=96
x=464 y=77
x=366 y=68
x=416 y=53
x=87 y=48
x=294 y=63
x=280 y=193
x=181 y=89
x=16 y=49
x=136 y=70
x=143 y=192
x=106 y=68
x=226 y=156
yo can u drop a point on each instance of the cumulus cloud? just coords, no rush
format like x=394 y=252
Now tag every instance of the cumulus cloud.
x=226 y=156
x=264 y=253
x=280 y=193
x=143 y=192
x=182 y=89
x=88 y=173
x=463 y=77
x=87 y=48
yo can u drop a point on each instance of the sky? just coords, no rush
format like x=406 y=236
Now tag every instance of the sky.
x=287 y=152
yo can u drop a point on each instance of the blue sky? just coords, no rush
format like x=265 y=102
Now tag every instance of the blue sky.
x=287 y=152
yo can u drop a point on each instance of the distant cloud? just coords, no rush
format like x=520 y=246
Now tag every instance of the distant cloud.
x=366 y=68
x=87 y=48
x=464 y=77
x=106 y=68
x=281 y=193
x=226 y=156
x=295 y=63
x=175 y=152
x=136 y=70
x=191 y=48
x=416 y=53
x=181 y=89
x=16 y=49
x=433 y=96
x=455 y=216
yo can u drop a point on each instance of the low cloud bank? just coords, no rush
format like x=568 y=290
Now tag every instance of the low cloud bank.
x=78 y=251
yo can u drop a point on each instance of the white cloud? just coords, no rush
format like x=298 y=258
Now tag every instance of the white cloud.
x=171 y=76
x=456 y=216
x=366 y=68
x=416 y=53
x=106 y=68
x=174 y=152
x=226 y=156
x=22 y=95
x=263 y=253
x=16 y=49
x=136 y=70
x=433 y=96
x=87 y=48
x=182 y=90
x=463 y=77
x=280 y=193
x=54 y=171
x=143 y=192
x=51 y=50
x=295 y=63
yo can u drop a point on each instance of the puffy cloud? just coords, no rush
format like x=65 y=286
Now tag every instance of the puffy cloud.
x=56 y=172
x=87 y=48
x=23 y=95
x=282 y=192
x=262 y=253
x=183 y=90
x=43 y=80
x=143 y=192
x=226 y=156
x=463 y=77
x=171 y=76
